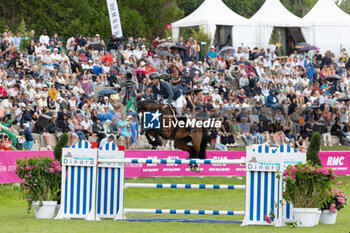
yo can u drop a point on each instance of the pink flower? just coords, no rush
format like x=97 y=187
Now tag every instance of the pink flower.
x=339 y=183
x=341 y=200
x=328 y=192
x=55 y=163
x=267 y=219
x=285 y=173
x=333 y=209
x=333 y=177
x=26 y=187
x=28 y=199
x=58 y=168
x=50 y=170
x=30 y=175
x=293 y=176
x=325 y=171
x=23 y=181
x=27 y=168
x=293 y=169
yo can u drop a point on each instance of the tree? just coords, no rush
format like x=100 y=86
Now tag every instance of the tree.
x=88 y=17
x=344 y=5
x=60 y=144
x=314 y=149
x=22 y=28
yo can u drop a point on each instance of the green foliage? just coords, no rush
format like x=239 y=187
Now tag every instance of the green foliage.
x=345 y=6
x=41 y=178
x=6 y=28
x=306 y=185
x=299 y=8
x=22 y=29
x=88 y=17
x=60 y=144
x=314 y=149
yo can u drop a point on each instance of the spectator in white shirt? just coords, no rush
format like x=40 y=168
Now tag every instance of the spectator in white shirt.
x=55 y=56
x=44 y=38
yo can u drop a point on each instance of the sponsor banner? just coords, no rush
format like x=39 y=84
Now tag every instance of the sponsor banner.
x=159 y=170
x=114 y=18
x=339 y=161
x=8 y=163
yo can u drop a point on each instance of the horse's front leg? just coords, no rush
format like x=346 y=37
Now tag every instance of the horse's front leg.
x=153 y=143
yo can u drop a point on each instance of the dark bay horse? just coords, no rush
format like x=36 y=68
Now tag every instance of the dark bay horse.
x=181 y=135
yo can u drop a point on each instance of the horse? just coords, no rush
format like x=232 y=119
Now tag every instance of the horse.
x=181 y=135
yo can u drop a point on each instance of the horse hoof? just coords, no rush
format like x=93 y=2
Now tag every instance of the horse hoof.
x=196 y=169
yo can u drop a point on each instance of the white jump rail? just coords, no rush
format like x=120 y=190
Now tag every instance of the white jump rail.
x=194 y=212
x=184 y=186
x=174 y=161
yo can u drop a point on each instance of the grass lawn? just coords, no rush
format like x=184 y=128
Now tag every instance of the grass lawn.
x=13 y=216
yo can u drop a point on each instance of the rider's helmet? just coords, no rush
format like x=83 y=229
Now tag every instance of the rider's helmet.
x=154 y=75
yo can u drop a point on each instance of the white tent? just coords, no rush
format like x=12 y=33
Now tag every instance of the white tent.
x=258 y=32
x=273 y=14
x=327 y=27
x=208 y=15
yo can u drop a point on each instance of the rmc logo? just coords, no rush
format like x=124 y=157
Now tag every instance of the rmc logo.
x=151 y=120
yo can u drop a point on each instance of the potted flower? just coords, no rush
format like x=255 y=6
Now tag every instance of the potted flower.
x=305 y=187
x=41 y=179
x=335 y=202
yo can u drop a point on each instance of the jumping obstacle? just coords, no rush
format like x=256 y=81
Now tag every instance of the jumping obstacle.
x=175 y=161
x=184 y=186
x=171 y=211
x=93 y=187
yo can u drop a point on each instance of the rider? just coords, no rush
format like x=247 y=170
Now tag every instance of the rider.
x=170 y=94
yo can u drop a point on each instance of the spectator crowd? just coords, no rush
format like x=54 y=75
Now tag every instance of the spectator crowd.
x=90 y=88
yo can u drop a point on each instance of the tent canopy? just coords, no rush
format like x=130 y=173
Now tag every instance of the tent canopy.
x=327 y=27
x=273 y=13
x=209 y=14
x=326 y=12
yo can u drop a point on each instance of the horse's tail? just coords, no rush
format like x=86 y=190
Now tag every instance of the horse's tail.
x=203 y=146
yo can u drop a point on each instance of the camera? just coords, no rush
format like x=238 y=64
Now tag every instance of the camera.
x=128 y=79
x=128 y=75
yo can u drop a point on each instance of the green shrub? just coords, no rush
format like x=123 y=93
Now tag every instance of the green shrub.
x=60 y=144
x=314 y=149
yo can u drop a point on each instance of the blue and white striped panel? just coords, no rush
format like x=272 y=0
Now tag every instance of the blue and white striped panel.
x=273 y=150
x=109 y=146
x=287 y=212
x=109 y=187
x=78 y=192
x=82 y=145
x=109 y=184
x=287 y=148
x=264 y=194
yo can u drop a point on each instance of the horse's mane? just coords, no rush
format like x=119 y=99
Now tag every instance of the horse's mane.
x=141 y=104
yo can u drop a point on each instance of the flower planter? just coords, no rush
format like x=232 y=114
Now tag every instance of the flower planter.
x=317 y=220
x=328 y=217
x=58 y=206
x=46 y=211
x=305 y=217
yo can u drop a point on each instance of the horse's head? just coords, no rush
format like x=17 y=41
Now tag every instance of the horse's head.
x=147 y=105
